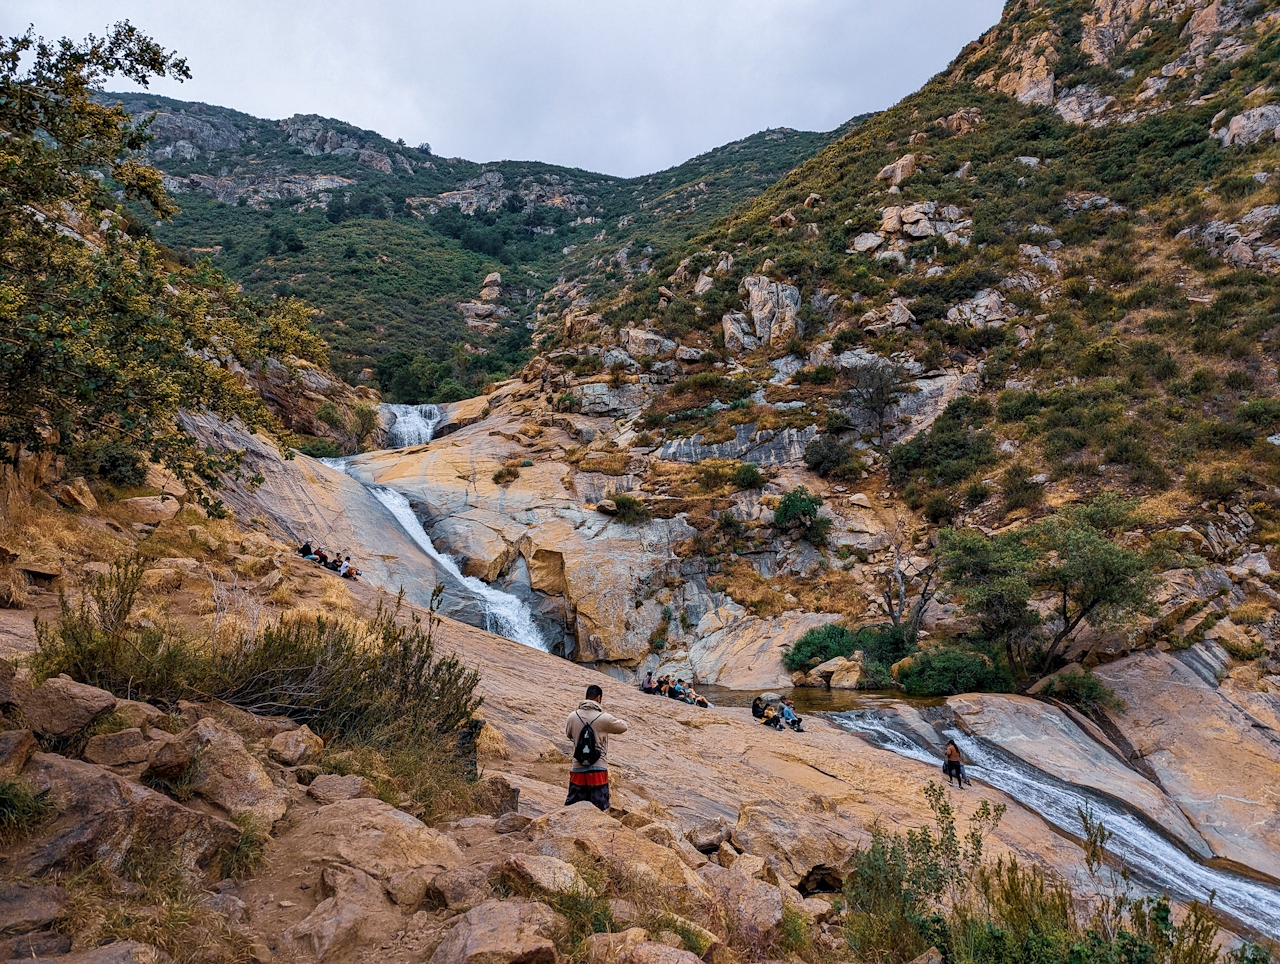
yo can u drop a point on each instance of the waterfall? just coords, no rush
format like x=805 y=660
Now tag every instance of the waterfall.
x=504 y=614
x=413 y=425
x=1146 y=852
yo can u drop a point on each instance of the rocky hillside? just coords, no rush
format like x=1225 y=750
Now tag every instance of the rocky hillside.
x=392 y=243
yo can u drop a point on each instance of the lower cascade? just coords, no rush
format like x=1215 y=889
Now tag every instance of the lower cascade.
x=504 y=614
x=1147 y=853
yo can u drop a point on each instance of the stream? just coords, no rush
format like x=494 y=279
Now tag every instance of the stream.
x=1151 y=857
x=504 y=614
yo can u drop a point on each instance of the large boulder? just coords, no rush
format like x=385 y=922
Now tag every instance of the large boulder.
x=330 y=788
x=296 y=747
x=806 y=841
x=121 y=748
x=500 y=932
x=1251 y=126
x=149 y=509
x=104 y=818
x=355 y=910
x=754 y=907
x=129 y=952
x=899 y=170
x=60 y=706
x=229 y=776
x=774 y=309
x=737 y=336
x=581 y=828
x=374 y=837
x=640 y=343
x=16 y=747
x=545 y=873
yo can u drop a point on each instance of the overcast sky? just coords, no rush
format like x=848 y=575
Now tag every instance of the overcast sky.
x=621 y=88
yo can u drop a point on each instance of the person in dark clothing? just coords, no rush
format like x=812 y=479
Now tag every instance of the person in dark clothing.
x=590 y=780
x=757 y=707
x=306 y=551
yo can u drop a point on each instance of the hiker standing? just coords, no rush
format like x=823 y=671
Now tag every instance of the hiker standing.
x=588 y=728
x=954 y=767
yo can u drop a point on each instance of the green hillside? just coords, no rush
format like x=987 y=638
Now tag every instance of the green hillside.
x=1120 y=201
x=355 y=224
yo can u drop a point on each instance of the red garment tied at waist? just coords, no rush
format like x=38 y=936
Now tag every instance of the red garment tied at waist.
x=589 y=778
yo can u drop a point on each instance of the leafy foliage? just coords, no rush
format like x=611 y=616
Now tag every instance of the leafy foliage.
x=881 y=647
x=798 y=509
x=103 y=343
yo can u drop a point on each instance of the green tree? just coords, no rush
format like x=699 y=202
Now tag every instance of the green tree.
x=102 y=338
x=1071 y=557
x=798 y=509
x=876 y=386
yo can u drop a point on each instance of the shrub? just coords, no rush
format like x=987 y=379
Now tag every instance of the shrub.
x=631 y=511
x=1018 y=491
x=946 y=672
x=938 y=508
x=953 y=448
x=320 y=448
x=881 y=647
x=1086 y=691
x=798 y=509
x=747 y=476
x=21 y=810
x=827 y=456
x=506 y=475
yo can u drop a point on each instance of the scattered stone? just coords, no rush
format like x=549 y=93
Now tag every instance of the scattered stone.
x=375 y=837
x=130 y=952
x=899 y=170
x=75 y=494
x=100 y=817
x=331 y=788
x=169 y=759
x=118 y=749
x=511 y=823
x=546 y=873
x=60 y=706
x=26 y=906
x=1251 y=126
x=141 y=715
x=229 y=776
x=500 y=932
x=298 y=747
x=16 y=747
x=756 y=907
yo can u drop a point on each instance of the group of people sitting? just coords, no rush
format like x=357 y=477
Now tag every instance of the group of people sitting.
x=778 y=715
x=336 y=563
x=676 y=689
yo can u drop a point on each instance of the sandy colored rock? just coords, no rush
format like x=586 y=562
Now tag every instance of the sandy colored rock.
x=500 y=932
x=1212 y=762
x=354 y=912
x=296 y=747
x=75 y=494
x=803 y=837
x=60 y=707
x=1046 y=738
x=137 y=714
x=331 y=788
x=614 y=948
x=229 y=776
x=16 y=747
x=102 y=817
x=149 y=509
x=545 y=873
x=374 y=837
x=755 y=907
x=169 y=759
x=129 y=952
x=118 y=749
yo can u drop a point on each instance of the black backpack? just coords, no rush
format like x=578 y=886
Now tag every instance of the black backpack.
x=586 y=751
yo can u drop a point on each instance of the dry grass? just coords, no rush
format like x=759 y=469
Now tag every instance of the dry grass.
x=336 y=597
x=831 y=591
x=609 y=465
x=491 y=744
x=1251 y=614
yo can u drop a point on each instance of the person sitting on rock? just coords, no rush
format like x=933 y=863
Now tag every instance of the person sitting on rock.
x=788 y=713
x=757 y=707
x=647 y=686
x=771 y=717
x=306 y=551
x=954 y=767
x=676 y=691
x=589 y=775
x=346 y=570
x=322 y=556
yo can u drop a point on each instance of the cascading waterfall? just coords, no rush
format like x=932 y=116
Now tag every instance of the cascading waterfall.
x=414 y=425
x=1149 y=855
x=504 y=614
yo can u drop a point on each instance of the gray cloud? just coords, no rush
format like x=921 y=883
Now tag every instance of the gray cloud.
x=623 y=88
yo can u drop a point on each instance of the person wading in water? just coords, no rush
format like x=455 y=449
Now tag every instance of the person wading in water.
x=954 y=767
x=588 y=729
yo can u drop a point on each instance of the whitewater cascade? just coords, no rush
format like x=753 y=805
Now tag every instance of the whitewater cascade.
x=504 y=614
x=414 y=425
x=1147 y=853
